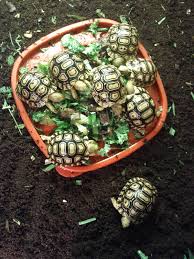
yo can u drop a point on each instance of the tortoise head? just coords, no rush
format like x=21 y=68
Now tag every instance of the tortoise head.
x=92 y=146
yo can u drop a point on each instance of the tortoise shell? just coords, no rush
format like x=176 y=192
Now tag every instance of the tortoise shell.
x=122 y=40
x=67 y=149
x=66 y=68
x=140 y=108
x=107 y=86
x=34 y=88
x=142 y=71
x=136 y=199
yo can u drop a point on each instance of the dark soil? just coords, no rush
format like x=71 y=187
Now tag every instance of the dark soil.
x=49 y=227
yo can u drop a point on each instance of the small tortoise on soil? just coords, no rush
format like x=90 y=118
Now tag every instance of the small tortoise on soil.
x=108 y=88
x=35 y=89
x=141 y=71
x=122 y=43
x=70 y=149
x=135 y=201
x=69 y=72
x=140 y=108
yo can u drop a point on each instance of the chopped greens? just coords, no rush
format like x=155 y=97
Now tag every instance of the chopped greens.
x=17 y=222
x=54 y=20
x=142 y=255
x=190 y=255
x=92 y=50
x=93 y=28
x=6 y=91
x=39 y=115
x=72 y=44
x=20 y=126
x=87 y=221
x=10 y=60
x=119 y=135
x=104 y=151
x=23 y=70
x=43 y=68
x=192 y=95
x=162 y=20
x=100 y=13
x=62 y=124
x=78 y=182
x=123 y=19
x=172 y=131
x=94 y=124
x=48 y=168
x=173 y=109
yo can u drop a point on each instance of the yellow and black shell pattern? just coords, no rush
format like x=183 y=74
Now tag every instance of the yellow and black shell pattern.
x=67 y=149
x=107 y=86
x=34 y=88
x=66 y=68
x=136 y=199
x=122 y=40
x=142 y=71
x=140 y=108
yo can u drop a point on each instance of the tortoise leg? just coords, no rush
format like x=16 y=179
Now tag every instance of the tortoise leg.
x=117 y=109
x=51 y=107
x=74 y=93
x=125 y=221
x=80 y=86
x=99 y=109
x=158 y=111
x=88 y=84
x=114 y=203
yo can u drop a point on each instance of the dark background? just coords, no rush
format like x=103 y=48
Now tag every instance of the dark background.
x=48 y=226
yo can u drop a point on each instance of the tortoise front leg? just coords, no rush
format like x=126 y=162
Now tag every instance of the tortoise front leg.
x=51 y=107
x=74 y=93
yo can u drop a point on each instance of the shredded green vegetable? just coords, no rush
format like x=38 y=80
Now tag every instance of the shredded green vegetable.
x=6 y=91
x=142 y=255
x=104 y=151
x=93 y=28
x=119 y=135
x=87 y=221
x=100 y=13
x=48 y=168
x=10 y=60
x=123 y=19
x=172 y=131
x=43 y=68
x=72 y=44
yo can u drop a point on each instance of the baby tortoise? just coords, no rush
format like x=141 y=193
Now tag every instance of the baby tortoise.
x=69 y=149
x=122 y=43
x=135 y=201
x=141 y=71
x=35 y=89
x=108 y=88
x=69 y=72
x=140 y=108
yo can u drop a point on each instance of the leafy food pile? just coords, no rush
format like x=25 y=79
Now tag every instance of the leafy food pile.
x=100 y=126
